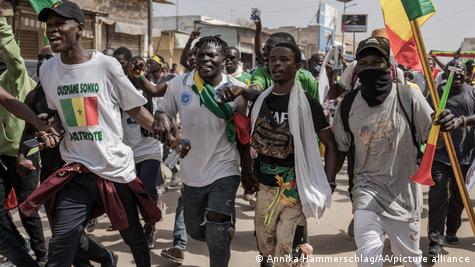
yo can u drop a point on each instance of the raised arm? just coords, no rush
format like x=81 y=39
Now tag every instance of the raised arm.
x=186 y=51
x=154 y=90
x=437 y=61
x=11 y=51
x=258 y=42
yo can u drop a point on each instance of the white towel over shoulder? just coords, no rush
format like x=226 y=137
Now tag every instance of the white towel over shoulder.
x=314 y=190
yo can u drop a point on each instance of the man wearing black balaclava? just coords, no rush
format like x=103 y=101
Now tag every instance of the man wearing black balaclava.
x=372 y=123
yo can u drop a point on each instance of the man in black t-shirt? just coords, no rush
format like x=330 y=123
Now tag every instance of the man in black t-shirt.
x=280 y=217
x=445 y=203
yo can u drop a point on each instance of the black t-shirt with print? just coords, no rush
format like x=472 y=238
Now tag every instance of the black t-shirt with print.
x=278 y=107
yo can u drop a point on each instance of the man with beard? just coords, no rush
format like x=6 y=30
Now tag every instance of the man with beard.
x=50 y=162
x=377 y=121
x=210 y=173
x=445 y=202
x=88 y=90
x=234 y=68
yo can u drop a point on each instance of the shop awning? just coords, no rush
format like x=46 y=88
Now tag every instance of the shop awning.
x=129 y=28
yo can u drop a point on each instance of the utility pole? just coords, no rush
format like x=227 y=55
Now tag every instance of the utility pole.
x=150 y=28
x=177 y=15
x=344 y=13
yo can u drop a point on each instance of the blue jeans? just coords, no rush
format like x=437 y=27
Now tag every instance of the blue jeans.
x=210 y=216
x=179 y=230
x=148 y=171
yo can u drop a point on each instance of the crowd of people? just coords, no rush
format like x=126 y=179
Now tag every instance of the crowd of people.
x=99 y=125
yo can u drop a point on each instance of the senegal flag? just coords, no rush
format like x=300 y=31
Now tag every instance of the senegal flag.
x=38 y=5
x=397 y=16
x=80 y=111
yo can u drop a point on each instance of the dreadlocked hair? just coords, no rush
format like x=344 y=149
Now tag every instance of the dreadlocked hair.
x=216 y=40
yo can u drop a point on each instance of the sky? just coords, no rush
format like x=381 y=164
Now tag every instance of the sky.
x=444 y=31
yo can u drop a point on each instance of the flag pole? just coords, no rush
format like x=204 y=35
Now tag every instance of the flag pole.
x=446 y=135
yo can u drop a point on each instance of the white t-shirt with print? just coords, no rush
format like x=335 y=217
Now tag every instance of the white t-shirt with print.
x=89 y=98
x=144 y=146
x=212 y=155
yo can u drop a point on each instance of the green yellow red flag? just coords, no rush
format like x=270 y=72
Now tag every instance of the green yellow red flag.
x=38 y=5
x=397 y=15
x=80 y=111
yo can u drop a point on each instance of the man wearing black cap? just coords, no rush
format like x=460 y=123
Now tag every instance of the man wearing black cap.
x=377 y=122
x=88 y=90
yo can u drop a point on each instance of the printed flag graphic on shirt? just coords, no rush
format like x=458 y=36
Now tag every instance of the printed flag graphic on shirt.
x=80 y=111
x=38 y=5
x=397 y=15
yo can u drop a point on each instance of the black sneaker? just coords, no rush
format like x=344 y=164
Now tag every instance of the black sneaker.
x=41 y=261
x=435 y=250
x=451 y=239
x=91 y=225
x=351 y=228
x=149 y=230
x=174 y=254
x=112 y=261
x=266 y=263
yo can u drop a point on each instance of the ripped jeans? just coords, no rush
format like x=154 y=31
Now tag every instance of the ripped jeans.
x=210 y=216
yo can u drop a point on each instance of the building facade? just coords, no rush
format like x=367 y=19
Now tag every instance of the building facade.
x=176 y=32
x=109 y=23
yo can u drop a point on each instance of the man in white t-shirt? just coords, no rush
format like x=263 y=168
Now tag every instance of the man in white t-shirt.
x=88 y=90
x=210 y=173
x=147 y=150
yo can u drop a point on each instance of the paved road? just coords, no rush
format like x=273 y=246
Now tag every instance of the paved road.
x=328 y=238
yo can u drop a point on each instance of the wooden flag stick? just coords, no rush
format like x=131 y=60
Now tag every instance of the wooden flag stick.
x=447 y=137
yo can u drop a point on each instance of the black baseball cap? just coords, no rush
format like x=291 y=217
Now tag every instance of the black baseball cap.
x=66 y=9
x=381 y=44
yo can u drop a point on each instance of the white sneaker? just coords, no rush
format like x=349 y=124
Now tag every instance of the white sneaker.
x=7 y=263
x=161 y=189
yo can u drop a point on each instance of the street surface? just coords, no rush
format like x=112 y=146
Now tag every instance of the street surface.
x=328 y=238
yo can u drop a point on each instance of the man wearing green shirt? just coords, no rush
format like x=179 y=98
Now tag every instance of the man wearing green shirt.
x=16 y=82
x=261 y=77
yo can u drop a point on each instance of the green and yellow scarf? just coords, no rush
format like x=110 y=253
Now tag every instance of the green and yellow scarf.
x=225 y=111
x=287 y=192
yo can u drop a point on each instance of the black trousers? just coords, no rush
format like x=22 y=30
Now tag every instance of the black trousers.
x=24 y=186
x=74 y=205
x=445 y=203
x=13 y=248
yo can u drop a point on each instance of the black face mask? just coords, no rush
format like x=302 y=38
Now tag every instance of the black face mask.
x=376 y=85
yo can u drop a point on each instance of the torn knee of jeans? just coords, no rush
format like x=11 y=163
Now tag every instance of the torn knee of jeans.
x=218 y=217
